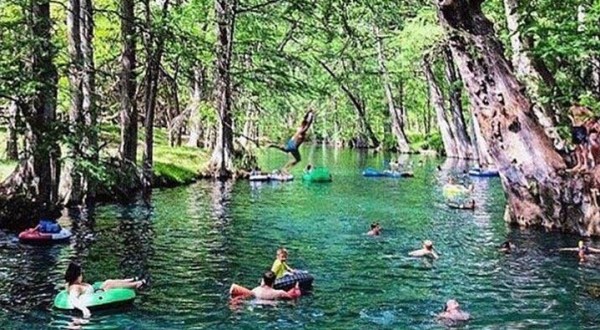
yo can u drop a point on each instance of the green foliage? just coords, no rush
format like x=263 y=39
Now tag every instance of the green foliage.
x=278 y=54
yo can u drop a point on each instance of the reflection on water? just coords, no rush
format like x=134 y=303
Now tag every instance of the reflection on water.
x=193 y=242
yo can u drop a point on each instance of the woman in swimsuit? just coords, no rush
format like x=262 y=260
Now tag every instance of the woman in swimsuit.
x=80 y=291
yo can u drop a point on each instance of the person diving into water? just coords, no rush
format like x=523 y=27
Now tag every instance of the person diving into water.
x=293 y=144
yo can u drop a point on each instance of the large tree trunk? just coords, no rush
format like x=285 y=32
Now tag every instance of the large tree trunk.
x=531 y=71
x=71 y=188
x=76 y=186
x=35 y=181
x=395 y=114
x=221 y=162
x=88 y=90
x=154 y=49
x=250 y=133
x=532 y=172
x=437 y=99
x=459 y=128
x=12 y=138
x=195 y=122
x=175 y=118
x=129 y=113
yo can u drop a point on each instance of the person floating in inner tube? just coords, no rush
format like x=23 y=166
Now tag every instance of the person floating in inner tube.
x=427 y=251
x=265 y=290
x=453 y=313
x=295 y=141
x=280 y=266
x=375 y=229
x=79 y=291
x=583 y=251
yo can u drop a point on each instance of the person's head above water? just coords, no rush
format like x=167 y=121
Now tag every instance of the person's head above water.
x=451 y=305
x=73 y=274
x=282 y=254
x=269 y=278
x=428 y=245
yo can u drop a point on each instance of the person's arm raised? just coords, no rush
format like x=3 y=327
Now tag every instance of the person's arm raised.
x=568 y=249
x=307 y=121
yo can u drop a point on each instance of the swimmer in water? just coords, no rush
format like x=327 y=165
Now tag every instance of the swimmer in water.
x=427 y=251
x=453 y=313
x=375 y=229
x=265 y=290
x=507 y=247
x=583 y=250
x=79 y=291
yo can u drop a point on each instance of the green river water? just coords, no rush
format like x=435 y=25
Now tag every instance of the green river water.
x=193 y=242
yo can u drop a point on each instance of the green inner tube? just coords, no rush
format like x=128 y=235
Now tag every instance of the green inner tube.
x=319 y=174
x=99 y=299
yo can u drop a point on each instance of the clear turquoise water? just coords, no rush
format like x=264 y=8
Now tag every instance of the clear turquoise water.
x=194 y=241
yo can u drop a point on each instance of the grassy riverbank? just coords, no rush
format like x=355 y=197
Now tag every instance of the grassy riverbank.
x=172 y=165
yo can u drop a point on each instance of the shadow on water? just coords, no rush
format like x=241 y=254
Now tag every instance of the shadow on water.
x=193 y=242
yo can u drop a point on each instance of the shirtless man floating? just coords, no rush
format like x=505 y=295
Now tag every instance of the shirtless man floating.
x=427 y=251
x=297 y=139
x=265 y=291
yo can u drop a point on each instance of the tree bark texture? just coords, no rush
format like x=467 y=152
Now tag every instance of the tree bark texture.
x=464 y=148
x=397 y=125
x=538 y=190
x=532 y=72
x=76 y=185
x=250 y=133
x=12 y=138
x=36 y=178
x=154 y=44
x=88 y=90
x=71 y=187
x=481 y=149
x=221 y=162
x=437 y=100
x=129 y=112
x=195 y=122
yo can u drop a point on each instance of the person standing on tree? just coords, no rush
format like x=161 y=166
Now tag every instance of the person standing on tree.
x=297 y=139
x=579 y=116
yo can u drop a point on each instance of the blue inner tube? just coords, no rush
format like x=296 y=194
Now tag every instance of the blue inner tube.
x=371 y=172
x=289 y=281
x=486 y=173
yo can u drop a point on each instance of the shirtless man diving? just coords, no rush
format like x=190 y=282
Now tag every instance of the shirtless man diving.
x=297 y=139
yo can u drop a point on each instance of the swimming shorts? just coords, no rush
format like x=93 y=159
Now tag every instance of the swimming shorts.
x=292 y=148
